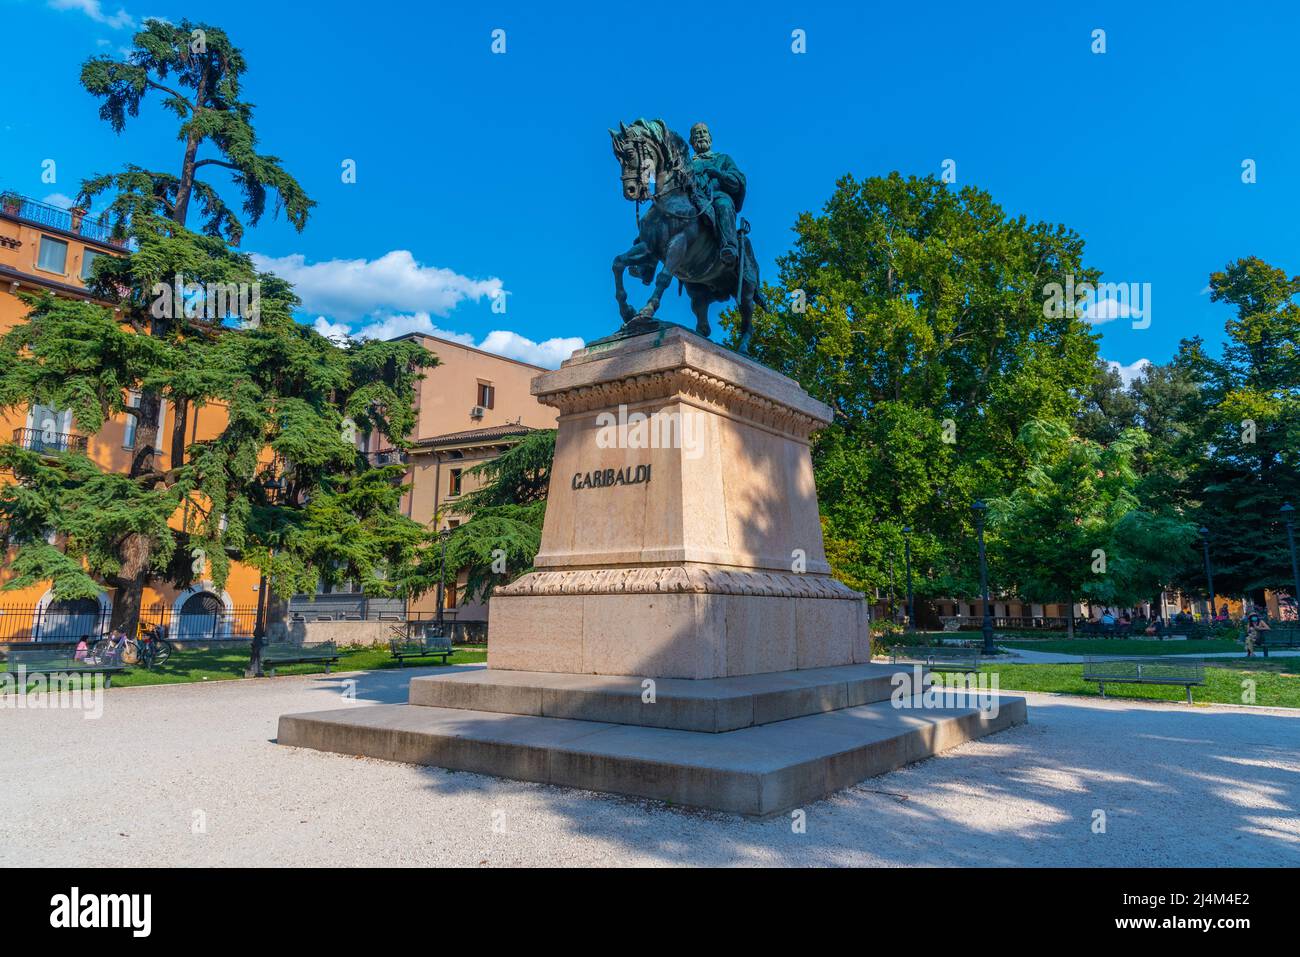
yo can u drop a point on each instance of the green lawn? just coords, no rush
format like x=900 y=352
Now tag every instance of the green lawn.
x=1277 y=682
x=228 y=663
x=1126 y=646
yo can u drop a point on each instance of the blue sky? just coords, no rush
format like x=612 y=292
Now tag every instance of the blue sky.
x=478 y=171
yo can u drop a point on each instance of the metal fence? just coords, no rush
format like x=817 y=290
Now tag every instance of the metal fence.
x=38 y=440
x=62 y=622
x=92 y=227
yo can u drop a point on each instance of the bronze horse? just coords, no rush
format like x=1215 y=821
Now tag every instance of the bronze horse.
x=677 y=231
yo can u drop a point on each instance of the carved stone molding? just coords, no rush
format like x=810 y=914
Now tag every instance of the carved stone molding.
x=684 y=383
x=675 y=580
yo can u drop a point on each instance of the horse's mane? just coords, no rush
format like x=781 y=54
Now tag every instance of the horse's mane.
x=672 y=142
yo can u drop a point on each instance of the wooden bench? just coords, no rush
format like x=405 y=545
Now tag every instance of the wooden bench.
x=1145 y=671
x=938 y=657
x=426 y=646
x=287 y=653
x=1279 y=636
x=46 y=661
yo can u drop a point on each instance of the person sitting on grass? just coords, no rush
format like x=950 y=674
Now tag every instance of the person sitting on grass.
x=83 y=648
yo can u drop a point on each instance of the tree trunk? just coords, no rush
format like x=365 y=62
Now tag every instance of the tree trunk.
x=127 y=601
x=186 y=185
x=1069 y=618
x=180 y=420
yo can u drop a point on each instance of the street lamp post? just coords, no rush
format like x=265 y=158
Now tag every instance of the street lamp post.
x=273 y=486
x=907 y=560
x=1287 y=513
x=1209 y=570
x=442 y=571
x=980 y=508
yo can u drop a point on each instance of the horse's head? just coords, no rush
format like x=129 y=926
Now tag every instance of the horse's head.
x=643 y=150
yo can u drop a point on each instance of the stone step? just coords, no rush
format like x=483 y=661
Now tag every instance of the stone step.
x=711 y=704
x=759 y=770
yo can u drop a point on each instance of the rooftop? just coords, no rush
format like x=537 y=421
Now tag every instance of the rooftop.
x=93 y=228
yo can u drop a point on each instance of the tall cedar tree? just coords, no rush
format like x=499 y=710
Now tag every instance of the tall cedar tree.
x=285 y=387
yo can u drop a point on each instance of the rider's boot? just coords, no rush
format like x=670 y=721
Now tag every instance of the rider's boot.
x=728 y=251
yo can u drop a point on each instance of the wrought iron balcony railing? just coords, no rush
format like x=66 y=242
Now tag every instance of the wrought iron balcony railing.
x=38 y=440
x=91 y=227
x=387 y=457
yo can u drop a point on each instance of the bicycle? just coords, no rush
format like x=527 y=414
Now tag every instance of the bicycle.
x=149 y=649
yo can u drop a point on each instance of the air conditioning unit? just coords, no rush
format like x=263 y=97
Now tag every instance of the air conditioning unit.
x=477 y=412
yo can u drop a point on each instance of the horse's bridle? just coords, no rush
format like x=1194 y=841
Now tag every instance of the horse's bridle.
x=639 y=146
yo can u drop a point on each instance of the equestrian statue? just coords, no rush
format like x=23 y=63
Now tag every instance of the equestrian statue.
x=690 y=232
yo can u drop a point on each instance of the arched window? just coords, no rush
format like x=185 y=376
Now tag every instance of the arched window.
x=67 y=620
x=200 y=617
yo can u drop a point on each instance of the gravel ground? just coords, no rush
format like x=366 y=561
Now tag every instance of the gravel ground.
x=1178 y=786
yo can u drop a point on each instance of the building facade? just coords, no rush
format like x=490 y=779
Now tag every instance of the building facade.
x=470 y=408
x=47 y=249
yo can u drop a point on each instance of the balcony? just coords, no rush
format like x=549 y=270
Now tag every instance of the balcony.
x=43 y=214
x=36 y=440
x=386 y=457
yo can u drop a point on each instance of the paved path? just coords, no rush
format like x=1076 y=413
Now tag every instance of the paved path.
x=1178 y=786
x=1055 y=658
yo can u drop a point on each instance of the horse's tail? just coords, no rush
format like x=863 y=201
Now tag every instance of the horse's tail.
x=760 y=300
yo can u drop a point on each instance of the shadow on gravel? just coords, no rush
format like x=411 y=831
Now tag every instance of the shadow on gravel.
x=1176 y=788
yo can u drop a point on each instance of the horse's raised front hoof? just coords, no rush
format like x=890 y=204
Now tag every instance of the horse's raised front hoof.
x=647 y=311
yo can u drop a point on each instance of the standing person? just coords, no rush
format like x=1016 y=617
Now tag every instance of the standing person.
x=1255 y=625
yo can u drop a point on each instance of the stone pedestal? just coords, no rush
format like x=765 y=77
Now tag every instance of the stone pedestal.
x=682 y=537
x=681 y=637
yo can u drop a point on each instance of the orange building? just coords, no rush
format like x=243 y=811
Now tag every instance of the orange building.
x=44 y=248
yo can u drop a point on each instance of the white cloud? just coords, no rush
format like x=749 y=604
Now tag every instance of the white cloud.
x=502 y=342
x=351 y=289
x=549 y=353
x=395 y=295
x=1129 y=372
x=95 y=10
x=61 y=200
x=1105 y=310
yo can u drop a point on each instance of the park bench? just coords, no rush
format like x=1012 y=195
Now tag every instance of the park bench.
x=951 y=624
x=288 y=653
x=1145 y=671
x=1280 y=636
x=421 y=646
x=938 y=658
x=49 y=661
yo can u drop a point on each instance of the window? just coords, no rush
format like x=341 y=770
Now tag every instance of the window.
x=455 y=481
x=128 y=437
x=53 y=256
x=486 y=394
x=88 y=264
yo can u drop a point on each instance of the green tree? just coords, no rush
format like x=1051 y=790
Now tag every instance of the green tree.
x=1074 y=529
x=282 y=486
x=500 y=539
x=1244 y=458
x=923 y=316
x=198 y=73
